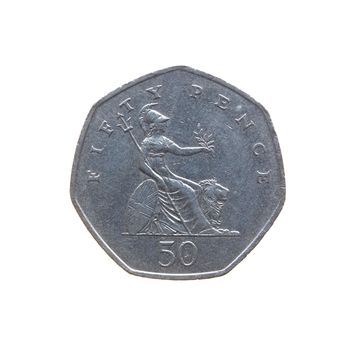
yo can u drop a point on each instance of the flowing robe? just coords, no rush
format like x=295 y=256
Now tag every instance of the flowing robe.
x=177 y=210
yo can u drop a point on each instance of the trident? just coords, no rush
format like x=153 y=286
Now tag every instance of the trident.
x=128 y=128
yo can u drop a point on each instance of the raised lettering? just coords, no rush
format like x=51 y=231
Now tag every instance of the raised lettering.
x=259 y=149
x=246 y=124
x=105 y=127
x=169 y=255
x=223 y=102
x=93 y=176
x=126 y=104
x=153 y=90
x=196 y=91
x=263 y=177
x=188 y=253
x=94 y=149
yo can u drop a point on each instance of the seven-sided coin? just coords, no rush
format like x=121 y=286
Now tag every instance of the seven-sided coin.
x=178 y=175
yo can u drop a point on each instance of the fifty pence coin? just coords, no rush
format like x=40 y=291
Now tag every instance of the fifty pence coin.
x=178 y=175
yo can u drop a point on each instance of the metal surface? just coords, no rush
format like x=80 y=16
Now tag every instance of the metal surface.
x=178 y=175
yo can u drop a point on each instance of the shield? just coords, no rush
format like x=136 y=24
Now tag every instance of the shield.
x=141 y=206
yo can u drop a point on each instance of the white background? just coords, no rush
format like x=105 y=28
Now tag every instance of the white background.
x=59 y=290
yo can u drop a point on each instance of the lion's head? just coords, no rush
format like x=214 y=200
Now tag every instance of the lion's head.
x=212 y=198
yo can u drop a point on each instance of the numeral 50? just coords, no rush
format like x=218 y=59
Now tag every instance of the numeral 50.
x=186 y=253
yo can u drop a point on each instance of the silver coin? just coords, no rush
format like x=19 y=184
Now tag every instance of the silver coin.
x=178 y=175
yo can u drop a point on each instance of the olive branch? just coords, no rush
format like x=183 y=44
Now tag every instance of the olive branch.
x=204 y=138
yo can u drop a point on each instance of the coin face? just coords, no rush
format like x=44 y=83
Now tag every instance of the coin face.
x=178 y=175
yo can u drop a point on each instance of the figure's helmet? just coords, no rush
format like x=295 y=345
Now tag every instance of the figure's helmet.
x=149 y=117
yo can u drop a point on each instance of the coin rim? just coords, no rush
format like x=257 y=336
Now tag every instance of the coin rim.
x=189 y=276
